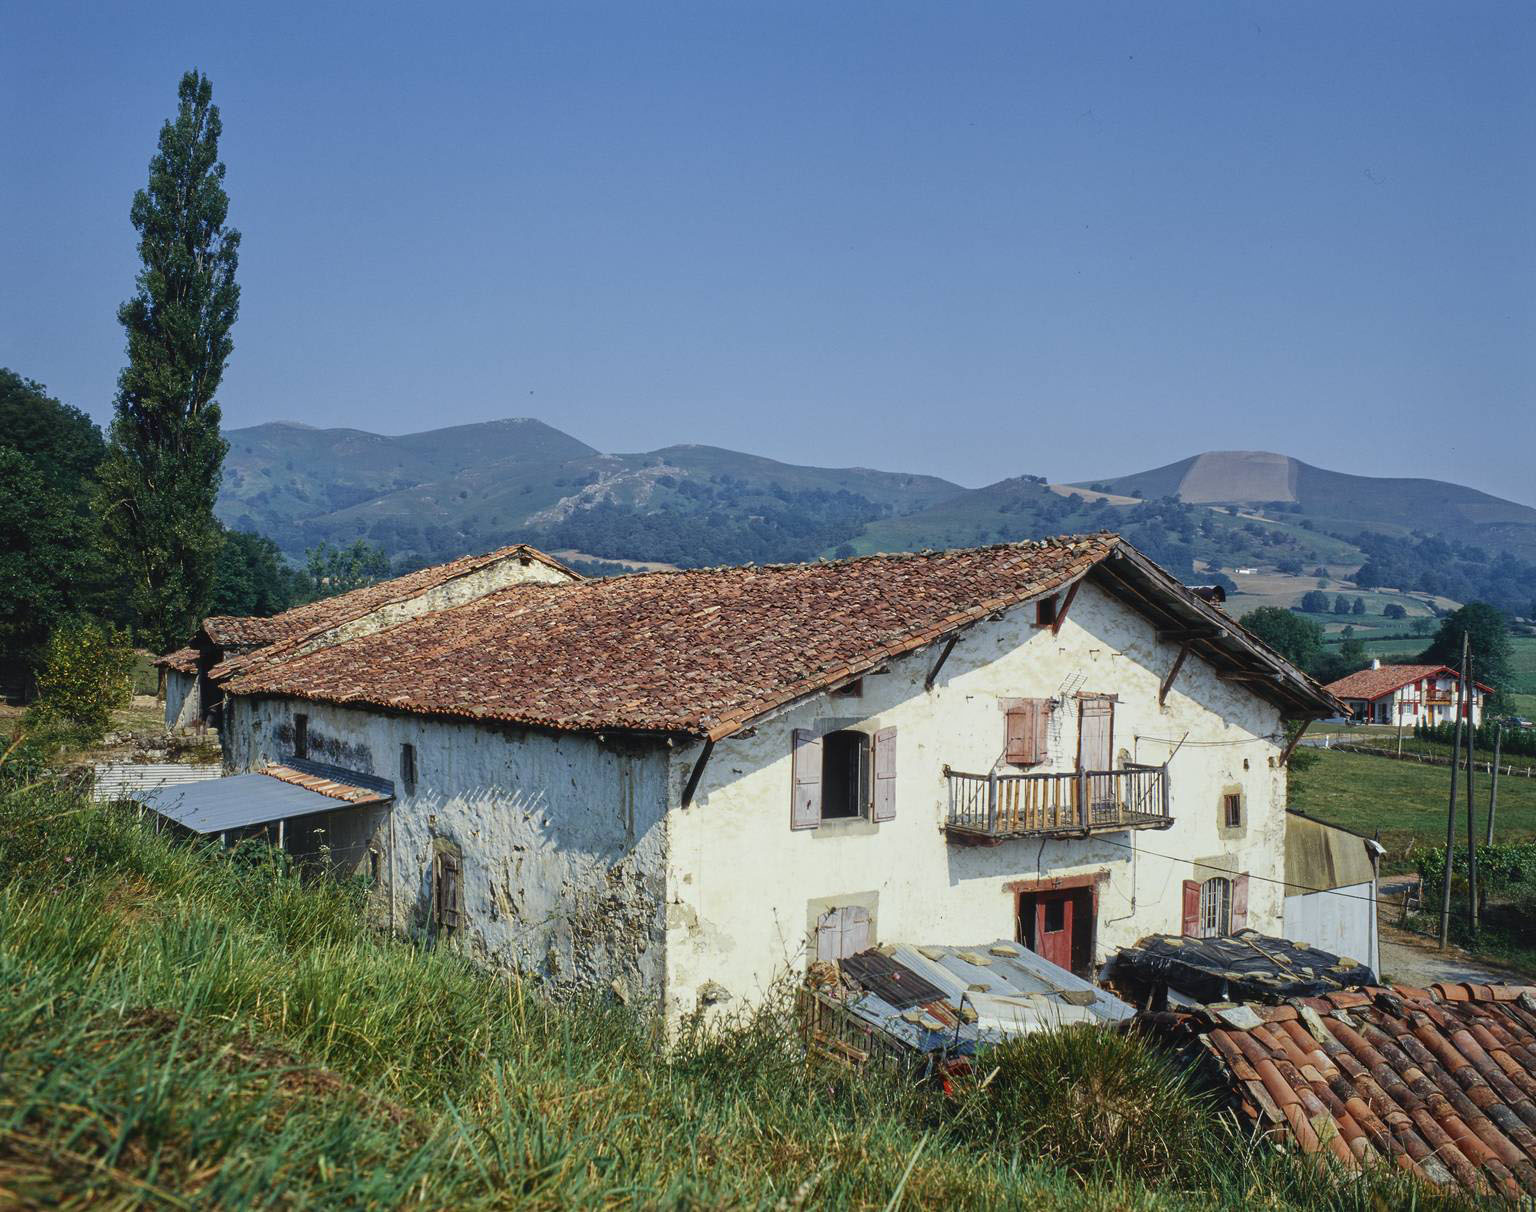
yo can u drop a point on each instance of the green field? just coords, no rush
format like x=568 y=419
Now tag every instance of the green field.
x=1405 y=803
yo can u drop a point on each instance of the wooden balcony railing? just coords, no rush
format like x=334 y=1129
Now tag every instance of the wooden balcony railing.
x=1075 y=804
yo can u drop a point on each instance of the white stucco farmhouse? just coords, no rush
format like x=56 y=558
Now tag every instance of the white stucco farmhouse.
x=682 y=785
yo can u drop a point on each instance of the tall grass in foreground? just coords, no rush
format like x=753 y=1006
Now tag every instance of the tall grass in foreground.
x=181 y=1028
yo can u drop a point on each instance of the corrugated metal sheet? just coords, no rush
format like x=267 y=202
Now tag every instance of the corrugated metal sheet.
x=127 y=780
x=1011 y=990
x=236 y=802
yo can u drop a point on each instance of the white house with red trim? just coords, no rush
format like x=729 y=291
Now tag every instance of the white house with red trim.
x=685 y=785
x=1408 y=695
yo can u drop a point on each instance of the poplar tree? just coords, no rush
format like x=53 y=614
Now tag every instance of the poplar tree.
x=165 y=454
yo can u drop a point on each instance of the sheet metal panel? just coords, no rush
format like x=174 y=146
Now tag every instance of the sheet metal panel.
x=238 y=801
x=127 y=780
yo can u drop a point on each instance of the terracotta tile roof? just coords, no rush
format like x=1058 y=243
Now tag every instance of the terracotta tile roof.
x=1373 y=683
x=183 y=660
x=350 y=792
x=239 y=634
x=698 y=652
x=1439 y=1081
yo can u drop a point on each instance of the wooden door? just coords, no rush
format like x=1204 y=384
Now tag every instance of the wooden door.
x=1054 y=914
x=1095 y=753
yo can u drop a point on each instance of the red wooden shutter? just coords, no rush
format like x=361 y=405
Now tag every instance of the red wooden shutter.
x=1239 y=902
x=885 y=775
x=1191 y=925
x=805 y=803
x=1024 y=733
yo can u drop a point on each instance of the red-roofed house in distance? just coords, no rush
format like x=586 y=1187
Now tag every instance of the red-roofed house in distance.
x=1408 y=695
x=684 y=785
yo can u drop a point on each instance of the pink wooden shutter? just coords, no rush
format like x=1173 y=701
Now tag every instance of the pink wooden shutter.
x=885 y=775
x=856 y=931
x=1043 y=708
x=805 y=804
x=1191 y=923
x=1239 y=902
x=1021 y=719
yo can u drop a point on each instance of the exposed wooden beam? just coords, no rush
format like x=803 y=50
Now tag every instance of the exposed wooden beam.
x=1066 y=605
x=949 y=646
x=697 y=773
x=1290 y=745
x=1178 y=663
x=1185 y=634
x=1249 y=677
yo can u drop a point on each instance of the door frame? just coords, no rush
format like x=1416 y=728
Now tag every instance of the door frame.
x=1085 y=946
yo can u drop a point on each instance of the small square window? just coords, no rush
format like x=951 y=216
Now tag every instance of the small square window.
x=1232 y=810
x=1045 y=612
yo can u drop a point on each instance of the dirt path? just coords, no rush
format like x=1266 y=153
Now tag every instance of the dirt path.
x=1407 y=959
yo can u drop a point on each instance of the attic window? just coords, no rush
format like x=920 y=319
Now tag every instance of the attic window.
x=849 y=690
x=301 y=736
x=1232 y=810
x=1045 y=611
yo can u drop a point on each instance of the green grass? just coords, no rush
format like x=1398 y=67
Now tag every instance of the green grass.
x=1523 y=664
x=1404 y=802
x=186 y=1028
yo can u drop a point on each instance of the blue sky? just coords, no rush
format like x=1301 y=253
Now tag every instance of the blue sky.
x=976 y=240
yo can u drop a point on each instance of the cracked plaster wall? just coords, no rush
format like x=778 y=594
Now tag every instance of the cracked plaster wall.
x=562 y=836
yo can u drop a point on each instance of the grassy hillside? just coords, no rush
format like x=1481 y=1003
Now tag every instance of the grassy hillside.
x=1404 y=802
x=185 y=1028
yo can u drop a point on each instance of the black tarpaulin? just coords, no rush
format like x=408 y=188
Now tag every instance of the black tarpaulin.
x=1241 y=967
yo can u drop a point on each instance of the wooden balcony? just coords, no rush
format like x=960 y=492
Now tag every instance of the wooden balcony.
x=994 y=807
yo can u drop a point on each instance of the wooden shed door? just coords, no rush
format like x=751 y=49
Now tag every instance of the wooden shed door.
x=1058 y=926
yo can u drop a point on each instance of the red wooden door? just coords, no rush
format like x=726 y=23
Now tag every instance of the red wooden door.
x=1054 y=912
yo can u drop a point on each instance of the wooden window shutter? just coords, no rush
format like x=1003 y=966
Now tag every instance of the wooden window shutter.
x=1021 y=733
x=805 y=802
x=885 y=775
x=1191 y=915
x=1239 y=902
x=856 y=930
x=448 y=891
x=1027 y=722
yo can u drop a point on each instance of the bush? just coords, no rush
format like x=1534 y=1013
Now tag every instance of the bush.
x=87 y=675
x=1081 y=1094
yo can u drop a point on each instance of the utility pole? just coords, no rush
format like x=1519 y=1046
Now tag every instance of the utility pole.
x=1471 y=691
x=1450 y=812
x=1400 y=707
x=1493 y=789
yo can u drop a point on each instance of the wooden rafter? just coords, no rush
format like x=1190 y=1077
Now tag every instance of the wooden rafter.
x=1290 y=745
x=1178 y=663
x=1066 y=605
x=933 y=672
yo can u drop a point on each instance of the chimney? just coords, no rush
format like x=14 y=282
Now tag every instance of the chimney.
x=1375 y=662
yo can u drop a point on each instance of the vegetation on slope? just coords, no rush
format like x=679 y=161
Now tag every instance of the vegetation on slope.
x=184 y=1028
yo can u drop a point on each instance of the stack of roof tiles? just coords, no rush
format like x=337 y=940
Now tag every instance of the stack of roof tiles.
x=696 y=652
x=1439 y=1081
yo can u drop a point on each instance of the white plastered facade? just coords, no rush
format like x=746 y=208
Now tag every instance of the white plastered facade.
x=743 y=889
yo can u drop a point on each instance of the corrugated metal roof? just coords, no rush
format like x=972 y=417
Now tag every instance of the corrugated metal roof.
x=1011 y=990
x=127 y=780
x=254 y=799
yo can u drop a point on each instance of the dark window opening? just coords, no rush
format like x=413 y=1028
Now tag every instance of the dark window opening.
x=301 y=736
x=408 y=768
x=849 y=690
x=1045 y=611
x=844 y=774
x=1232 y=810
x=1055 y=915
